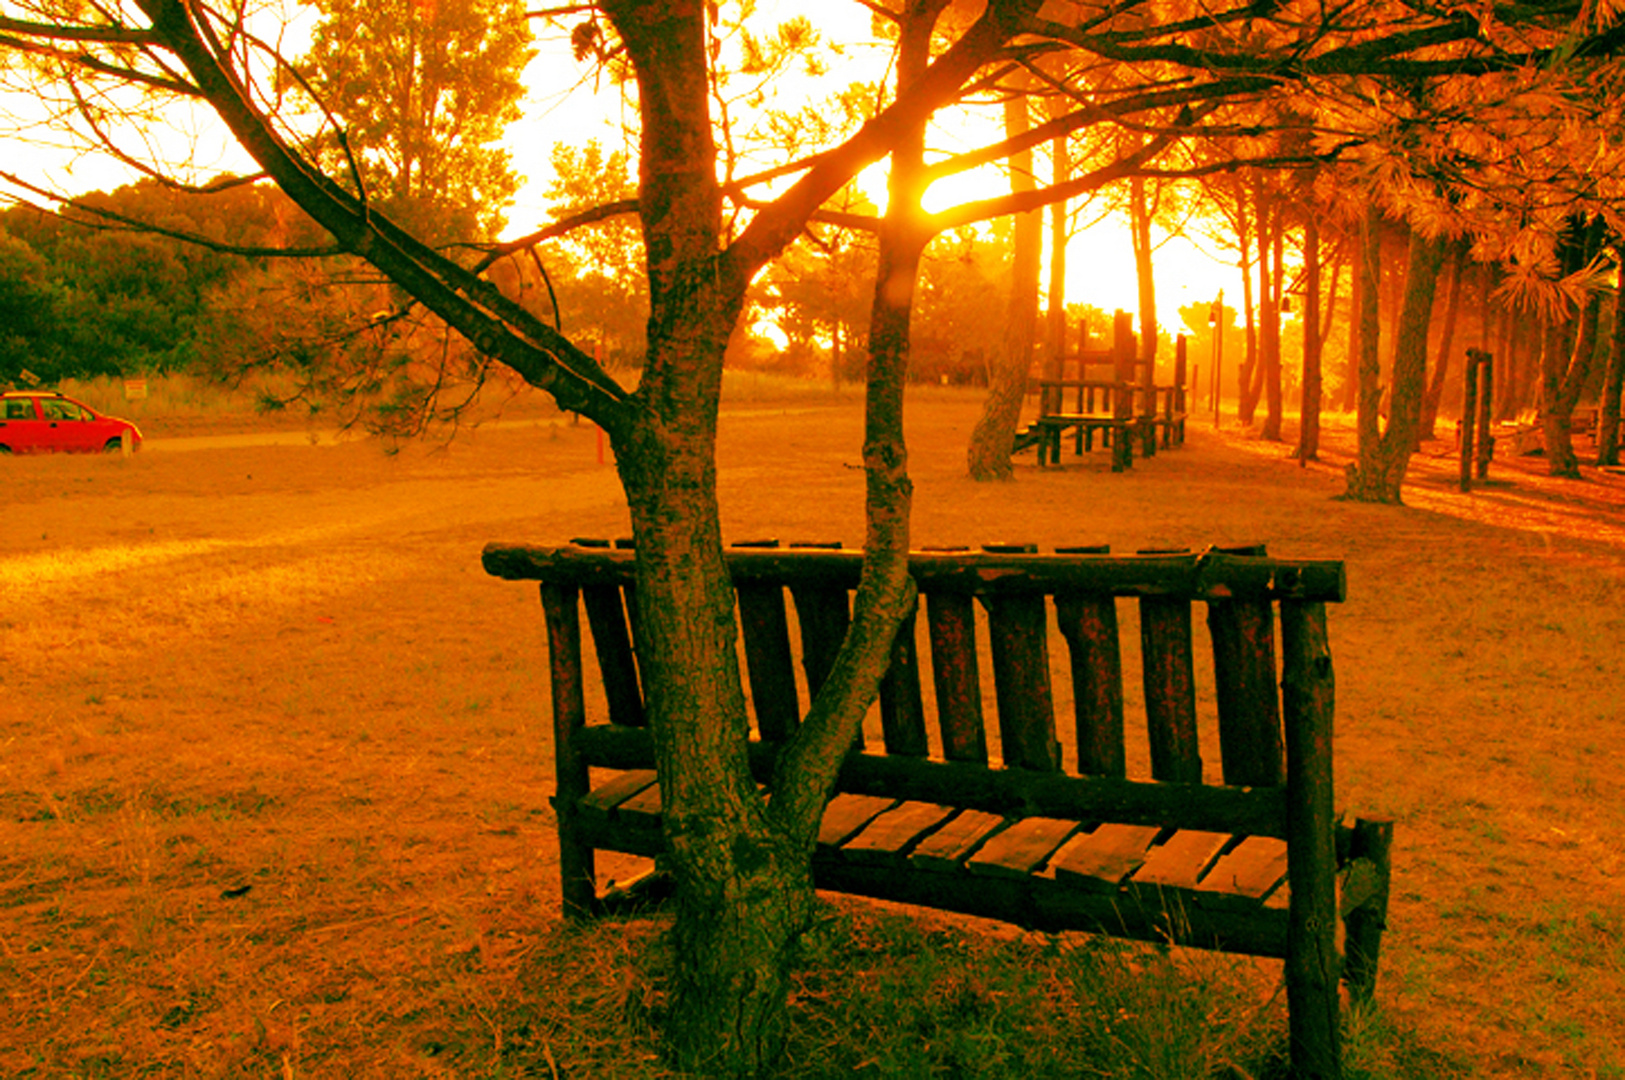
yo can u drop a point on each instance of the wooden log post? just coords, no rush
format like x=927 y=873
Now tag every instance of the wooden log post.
x=612 y=641
x=1364 y=921
x=1469 y=417
x=1018 y=629
x=765 y=629
x=577 y=874
x=951 y=620
x=1242 y=632
x=1174 y=433
x=823 y=613
x=1308 y=701
x=1170 y=689
x=902 y=709
x=1123 y=343
x=1486 y=405
x=1089 y=624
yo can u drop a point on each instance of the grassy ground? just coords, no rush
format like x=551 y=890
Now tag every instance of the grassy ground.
x=273 y=795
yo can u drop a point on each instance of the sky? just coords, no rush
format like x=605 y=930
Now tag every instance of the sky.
x=562 y=106
x=566 y=103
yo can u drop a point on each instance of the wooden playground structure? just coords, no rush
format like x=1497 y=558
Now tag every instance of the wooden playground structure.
x=1110 y=392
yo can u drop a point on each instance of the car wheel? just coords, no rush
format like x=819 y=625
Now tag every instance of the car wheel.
x=113 y=446
x=5 y=451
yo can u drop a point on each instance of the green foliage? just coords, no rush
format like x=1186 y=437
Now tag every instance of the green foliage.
x=595 y=271
x=421 y=91
x=83 y=295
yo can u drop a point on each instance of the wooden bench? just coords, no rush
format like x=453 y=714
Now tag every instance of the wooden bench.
x=1207 y=822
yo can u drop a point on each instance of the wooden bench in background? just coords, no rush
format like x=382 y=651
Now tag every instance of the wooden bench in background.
x=1243 y=853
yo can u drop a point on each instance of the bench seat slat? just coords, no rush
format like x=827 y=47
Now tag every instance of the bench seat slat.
x=1181 y=860
x=846 y=815
x=612 y=793
x=1255 y=867
x=1102 y=859
x=947 y=848
x=889 y=837
x=1022 y=848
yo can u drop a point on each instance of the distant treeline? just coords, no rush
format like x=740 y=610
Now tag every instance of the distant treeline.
x=84 y=294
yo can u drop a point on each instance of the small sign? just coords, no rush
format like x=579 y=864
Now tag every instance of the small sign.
x=135 y=389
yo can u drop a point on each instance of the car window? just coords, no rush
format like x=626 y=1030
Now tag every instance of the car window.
x=56 y=409
x=19 y=409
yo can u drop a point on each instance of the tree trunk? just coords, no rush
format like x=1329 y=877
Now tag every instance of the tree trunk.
x=1381 y=468
x=1564 y=376
x=1061 y=171
x=995 y=432
x=1144 y=279
x=1251 y=381
x=1614 y=382
x=1309 y=407
x=1271 y=353
x=1447 y=341
x=1349 y=400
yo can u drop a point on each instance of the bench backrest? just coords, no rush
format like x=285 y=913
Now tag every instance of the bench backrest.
x=1244 y=595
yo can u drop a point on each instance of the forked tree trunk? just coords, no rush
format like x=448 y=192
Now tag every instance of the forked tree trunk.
x=994 y=435
x=1380 y=470
x=742 y=864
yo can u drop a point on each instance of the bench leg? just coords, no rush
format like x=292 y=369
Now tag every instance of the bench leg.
x=578 y=874
x=1122 y=448
x=1364 y=923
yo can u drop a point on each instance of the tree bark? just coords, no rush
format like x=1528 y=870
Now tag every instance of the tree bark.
x=1447 y=341
x=1061 y=171
x=1564 y=374
x=1249 y=384
x=1349 y=400
x=1144 y=276
x=1613 y=384
x=1271 y=353
x=1566 y=365
x=1368 y=358
x=1309 y=407
x=1380 y=471
x=994 y=434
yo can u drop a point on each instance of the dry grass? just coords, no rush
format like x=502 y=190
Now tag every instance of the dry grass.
x=273 y=795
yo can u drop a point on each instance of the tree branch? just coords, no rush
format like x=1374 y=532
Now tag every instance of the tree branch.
x=781 y=220
x=472 y=306
x=122 y=223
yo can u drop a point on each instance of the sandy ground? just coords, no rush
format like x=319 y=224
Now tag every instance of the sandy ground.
x=276 y=760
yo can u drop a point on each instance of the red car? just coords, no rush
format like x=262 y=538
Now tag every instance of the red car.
x=38 y=421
